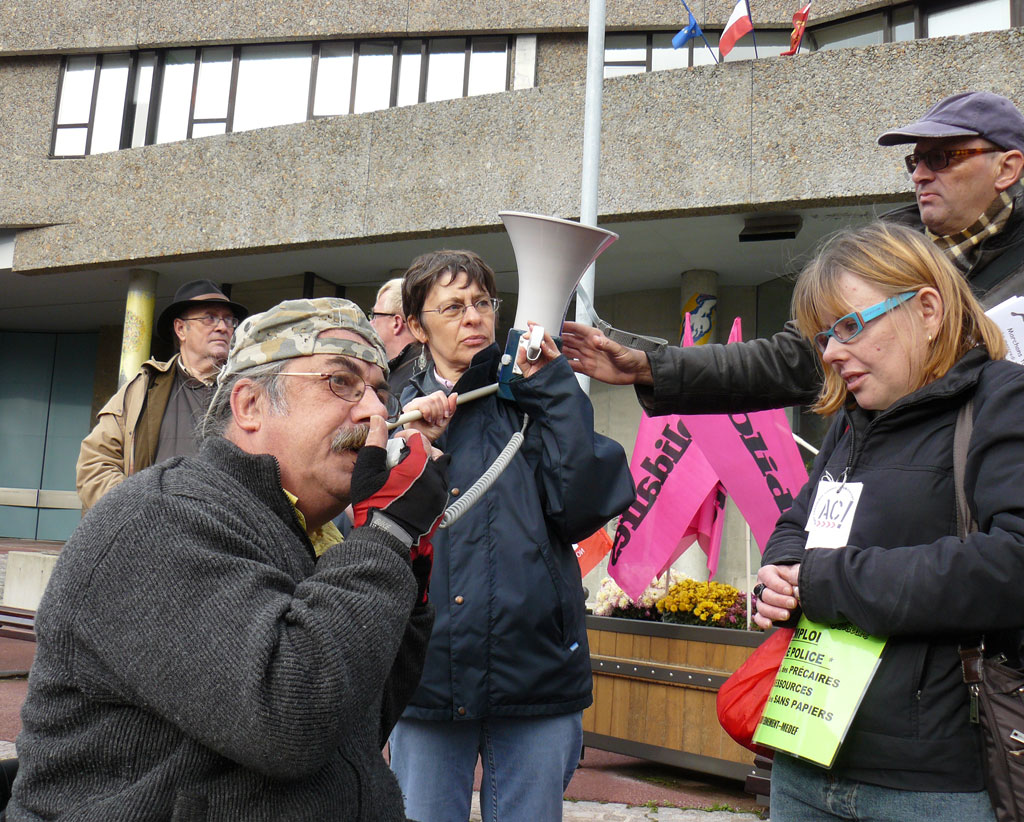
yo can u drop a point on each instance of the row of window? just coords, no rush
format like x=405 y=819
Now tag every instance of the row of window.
x=112 y=101
x=634 y=53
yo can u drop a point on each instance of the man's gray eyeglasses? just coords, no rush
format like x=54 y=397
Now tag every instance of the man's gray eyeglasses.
x=212 y=320
x=348 y=386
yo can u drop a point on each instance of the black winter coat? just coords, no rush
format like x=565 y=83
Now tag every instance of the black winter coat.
x=906 y=575
x=509 y=635
x=783 y=370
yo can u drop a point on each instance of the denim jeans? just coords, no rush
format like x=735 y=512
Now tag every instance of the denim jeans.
x=527 y=765
x=802 y=792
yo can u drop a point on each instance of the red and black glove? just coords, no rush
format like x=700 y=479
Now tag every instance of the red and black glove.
x=411 y=495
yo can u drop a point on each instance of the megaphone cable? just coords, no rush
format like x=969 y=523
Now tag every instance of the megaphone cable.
x=454 y=511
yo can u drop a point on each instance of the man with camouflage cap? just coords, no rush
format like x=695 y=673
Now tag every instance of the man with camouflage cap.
x=206 y=648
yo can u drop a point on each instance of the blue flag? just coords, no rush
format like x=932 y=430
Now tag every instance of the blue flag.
x=683 y=37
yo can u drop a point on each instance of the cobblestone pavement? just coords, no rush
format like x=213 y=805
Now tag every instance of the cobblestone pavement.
x=614 y=812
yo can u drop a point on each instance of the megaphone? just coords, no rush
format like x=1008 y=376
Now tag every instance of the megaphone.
x=552 y=255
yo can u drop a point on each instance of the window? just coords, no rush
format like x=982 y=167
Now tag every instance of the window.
x=113 y=101
x=635 y=53
x=983 y=16
x=91 y=104
x=862 y=31
x=626 y=54
x=273 y=86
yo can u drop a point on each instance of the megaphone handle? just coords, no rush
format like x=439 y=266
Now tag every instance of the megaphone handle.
x=475 y=394
x=536 y=340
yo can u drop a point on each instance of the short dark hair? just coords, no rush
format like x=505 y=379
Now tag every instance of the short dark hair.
x=428 y=269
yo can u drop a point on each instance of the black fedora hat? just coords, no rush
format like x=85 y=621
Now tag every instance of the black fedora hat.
x=196 y=292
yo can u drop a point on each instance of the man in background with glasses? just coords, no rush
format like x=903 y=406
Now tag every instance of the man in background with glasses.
x=154 y=415
x=406 y=354
x=208 y=647
x=966 y=167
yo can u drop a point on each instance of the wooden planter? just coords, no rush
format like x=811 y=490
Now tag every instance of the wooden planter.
x=654 y=693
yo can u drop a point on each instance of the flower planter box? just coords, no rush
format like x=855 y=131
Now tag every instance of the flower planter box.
x=654 y=693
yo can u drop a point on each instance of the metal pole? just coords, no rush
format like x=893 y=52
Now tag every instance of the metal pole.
x=591 y=147
x=138 y=323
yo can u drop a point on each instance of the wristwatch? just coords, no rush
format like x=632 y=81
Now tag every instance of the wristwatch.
x=385 y=523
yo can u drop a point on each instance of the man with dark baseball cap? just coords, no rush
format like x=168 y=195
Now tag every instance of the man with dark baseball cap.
x=154 y=415
x=966 y=167
x=208 y=646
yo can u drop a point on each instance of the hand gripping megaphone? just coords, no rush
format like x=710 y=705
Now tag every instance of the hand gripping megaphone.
x=552 y=255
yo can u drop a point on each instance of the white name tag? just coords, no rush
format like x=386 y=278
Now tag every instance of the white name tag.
x=831 y=517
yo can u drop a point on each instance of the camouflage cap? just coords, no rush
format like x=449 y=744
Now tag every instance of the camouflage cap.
x=290 y=329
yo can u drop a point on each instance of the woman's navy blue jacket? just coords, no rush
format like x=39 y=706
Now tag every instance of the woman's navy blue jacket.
x=905 y=573
x=510 y=636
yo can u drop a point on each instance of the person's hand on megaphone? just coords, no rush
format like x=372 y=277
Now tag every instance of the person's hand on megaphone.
x=548 y=352
x=590 y=352
x=437 y=410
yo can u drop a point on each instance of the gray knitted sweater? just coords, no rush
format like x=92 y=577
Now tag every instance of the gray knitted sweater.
x=196 y=662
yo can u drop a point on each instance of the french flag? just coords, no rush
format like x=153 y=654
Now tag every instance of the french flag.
x=739 y=24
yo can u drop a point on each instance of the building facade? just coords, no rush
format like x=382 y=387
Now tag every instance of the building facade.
x=285 y=149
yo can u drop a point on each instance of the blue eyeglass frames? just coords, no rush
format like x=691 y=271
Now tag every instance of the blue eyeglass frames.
x=850 y=325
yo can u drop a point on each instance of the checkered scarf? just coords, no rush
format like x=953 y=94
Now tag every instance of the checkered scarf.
x=964 y=247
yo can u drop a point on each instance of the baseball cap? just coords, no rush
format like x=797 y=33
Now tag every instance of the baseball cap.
x=971 y=114
x=290 y=329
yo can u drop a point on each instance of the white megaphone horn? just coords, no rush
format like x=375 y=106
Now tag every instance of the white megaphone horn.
x=552 y=255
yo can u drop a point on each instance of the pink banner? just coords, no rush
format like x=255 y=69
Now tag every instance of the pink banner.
x=758 y=461
x=677 y=462
x=673 y=479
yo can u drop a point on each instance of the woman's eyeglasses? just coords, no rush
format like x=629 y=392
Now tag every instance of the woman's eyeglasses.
x=455 y=311
x=348 y=386
x=850 y=325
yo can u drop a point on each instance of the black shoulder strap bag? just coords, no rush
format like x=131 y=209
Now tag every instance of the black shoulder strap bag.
x=997 y=690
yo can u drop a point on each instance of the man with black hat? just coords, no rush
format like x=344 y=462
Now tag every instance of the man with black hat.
x=966 y=167
x=154 y=415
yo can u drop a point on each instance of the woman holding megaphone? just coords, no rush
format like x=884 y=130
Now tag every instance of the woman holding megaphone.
x=507 y=673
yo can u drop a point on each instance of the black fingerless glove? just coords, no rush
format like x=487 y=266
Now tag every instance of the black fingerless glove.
x=412 y=495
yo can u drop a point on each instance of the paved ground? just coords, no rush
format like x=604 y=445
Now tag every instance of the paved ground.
x=607 y=787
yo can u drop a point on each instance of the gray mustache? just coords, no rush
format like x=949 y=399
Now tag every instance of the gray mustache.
x=351 y=438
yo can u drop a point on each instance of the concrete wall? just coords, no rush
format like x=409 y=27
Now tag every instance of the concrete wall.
x=57 y=26
x=719 y=138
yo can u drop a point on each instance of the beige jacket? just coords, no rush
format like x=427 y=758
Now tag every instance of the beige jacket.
x=127 y=428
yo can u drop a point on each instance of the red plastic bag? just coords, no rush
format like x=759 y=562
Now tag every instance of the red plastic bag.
x=742 y=697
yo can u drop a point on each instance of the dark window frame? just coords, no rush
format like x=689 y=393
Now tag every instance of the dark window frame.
x=130 y=112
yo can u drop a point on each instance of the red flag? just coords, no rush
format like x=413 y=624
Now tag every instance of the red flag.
x=591 y=550
x=739 y=24
x=799 y=24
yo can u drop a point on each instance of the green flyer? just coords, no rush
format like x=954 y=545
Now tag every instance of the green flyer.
x=821 y=681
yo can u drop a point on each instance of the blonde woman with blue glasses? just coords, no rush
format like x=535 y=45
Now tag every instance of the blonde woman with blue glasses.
x=904 y=346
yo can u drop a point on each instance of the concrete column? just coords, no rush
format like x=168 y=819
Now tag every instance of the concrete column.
x=700 y=299
x=138 y=323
